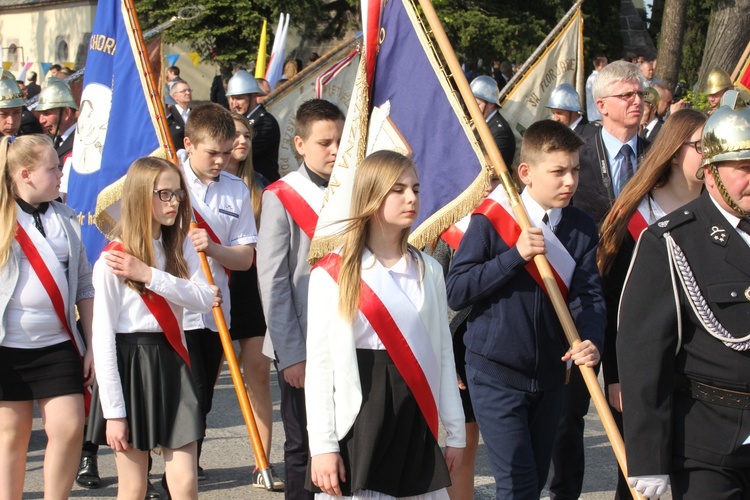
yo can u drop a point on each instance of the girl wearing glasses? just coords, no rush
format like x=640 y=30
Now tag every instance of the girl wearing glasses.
x=146 y=396
x=665 y=181
x=44 y=275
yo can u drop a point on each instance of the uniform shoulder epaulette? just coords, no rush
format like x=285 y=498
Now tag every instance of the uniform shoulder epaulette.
x=671 y=221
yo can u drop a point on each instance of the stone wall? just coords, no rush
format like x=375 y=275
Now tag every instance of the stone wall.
x=635 y=37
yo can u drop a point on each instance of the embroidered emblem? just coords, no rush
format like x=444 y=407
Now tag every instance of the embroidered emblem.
x=663 y=223
x=719 y=236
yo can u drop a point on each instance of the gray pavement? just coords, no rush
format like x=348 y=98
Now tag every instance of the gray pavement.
x=228 y=458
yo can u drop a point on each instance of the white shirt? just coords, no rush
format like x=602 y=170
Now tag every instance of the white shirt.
x=536 y=212
x=229 y=200
x=30 y=319
x=405 y=275
x=184 y=113
x=575 y=123
x=119 y=309
x=592 y=112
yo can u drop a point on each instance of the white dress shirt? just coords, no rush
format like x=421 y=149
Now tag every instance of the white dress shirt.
x=119 y=309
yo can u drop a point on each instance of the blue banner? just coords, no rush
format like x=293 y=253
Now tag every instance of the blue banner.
x=114 y=126
x=427 y=117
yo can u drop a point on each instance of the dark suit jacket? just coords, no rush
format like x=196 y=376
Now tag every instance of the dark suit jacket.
x=650 y=136
x=586 y=129
x=504 y=138
x=176 y=127
x=595 y=194
x=29 y=123
x=663 y=425
x=265 y=143
x=65 y=148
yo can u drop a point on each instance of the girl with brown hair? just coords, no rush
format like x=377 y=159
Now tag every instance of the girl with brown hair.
x=146 y=396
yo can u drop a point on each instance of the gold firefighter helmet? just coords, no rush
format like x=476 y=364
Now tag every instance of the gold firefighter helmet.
x=10 y=94
x=726 y=135
x=718 y=80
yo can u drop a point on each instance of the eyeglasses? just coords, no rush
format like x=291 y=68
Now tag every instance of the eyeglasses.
x=628 y=96
x=183 y=91
x=166 y=195
x=698 y=145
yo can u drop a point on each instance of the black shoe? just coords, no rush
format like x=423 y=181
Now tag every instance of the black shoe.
x=88 y=473
x=151 y=491
x=201 y=474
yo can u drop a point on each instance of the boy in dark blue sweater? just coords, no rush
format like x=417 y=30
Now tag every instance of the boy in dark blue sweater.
x=516 y=352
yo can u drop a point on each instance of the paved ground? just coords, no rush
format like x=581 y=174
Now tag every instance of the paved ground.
x=228 y=458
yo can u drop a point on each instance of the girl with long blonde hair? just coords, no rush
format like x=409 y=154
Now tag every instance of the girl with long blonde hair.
x=248 y=323
x=372 y=425
x=44 y=276
x=145 y=394
x=665 y=181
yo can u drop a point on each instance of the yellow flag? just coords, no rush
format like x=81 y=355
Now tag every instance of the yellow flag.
x=195 y=58
x=7 y=64
x=69 y=64
x=260 y=63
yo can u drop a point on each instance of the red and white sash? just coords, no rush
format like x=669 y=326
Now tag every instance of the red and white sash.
x=454 y=234
x=301 y=198
x=159 y=307
x=642 y=218
x=400 y=328
x=47 y=268
x=497 y=209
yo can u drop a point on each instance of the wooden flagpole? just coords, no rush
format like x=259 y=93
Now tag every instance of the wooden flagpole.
x=162 y=129
x=561 y=307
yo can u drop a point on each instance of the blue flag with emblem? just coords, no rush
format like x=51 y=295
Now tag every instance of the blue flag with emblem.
x=115 y=124
x=416 y=112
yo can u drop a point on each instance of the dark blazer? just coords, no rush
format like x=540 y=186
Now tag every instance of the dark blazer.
x=265 y=143
x=504 y=138
x=650 y=136
x=586 y=129
x=663 y=425
x=176 y=127
x=513 y=332
x=66 y=148
x=595 y=194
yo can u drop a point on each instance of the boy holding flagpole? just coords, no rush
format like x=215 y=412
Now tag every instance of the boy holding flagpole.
x=516 y=352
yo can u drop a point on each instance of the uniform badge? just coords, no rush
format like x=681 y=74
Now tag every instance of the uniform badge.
x=747 y=293
x=663 y=224
x=719 y=236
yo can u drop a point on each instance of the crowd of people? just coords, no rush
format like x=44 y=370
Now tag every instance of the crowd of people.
x=639 y=203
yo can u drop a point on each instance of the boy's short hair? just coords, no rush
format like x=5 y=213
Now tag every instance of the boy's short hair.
x=209 y=122
x=312 y=111
x=174 y=70
x=547 y=136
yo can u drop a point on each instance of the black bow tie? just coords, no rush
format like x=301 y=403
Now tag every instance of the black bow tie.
x=35 y=213
x=744 y=225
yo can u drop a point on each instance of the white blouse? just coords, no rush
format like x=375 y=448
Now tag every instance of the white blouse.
x=119 y=309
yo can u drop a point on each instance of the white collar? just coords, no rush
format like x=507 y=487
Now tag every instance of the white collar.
x=575 y=123
x=536 y=211
x=652 y=124
x=67 y=133
x=729 y=216
x=490 y=117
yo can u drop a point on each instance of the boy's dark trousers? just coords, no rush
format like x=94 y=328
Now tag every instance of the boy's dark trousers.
x=296 y=445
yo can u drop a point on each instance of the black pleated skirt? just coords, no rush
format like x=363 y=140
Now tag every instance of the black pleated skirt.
x=390 y=448
x=247 y=311
x=160 y=397
x=46 y=372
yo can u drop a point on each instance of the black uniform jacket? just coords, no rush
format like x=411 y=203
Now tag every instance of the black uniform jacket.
x=176 y=127
x=265 y=143
x=595 y=194
x=663 y=425
x=504 y=138
x=65 y=148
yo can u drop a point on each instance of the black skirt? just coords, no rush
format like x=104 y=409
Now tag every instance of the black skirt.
x=247 y=311
x=33 y=374
x=160 y=397
x=390 y=448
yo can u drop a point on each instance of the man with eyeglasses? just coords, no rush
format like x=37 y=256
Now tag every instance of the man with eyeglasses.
x=179 y=112
x=608 y=159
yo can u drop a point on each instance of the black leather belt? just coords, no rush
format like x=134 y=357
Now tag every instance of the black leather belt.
x=711 y=394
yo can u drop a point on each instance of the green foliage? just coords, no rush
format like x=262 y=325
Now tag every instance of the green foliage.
x=699 y=100
x=698 y=15
x=512 y=29
x=228 y=32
